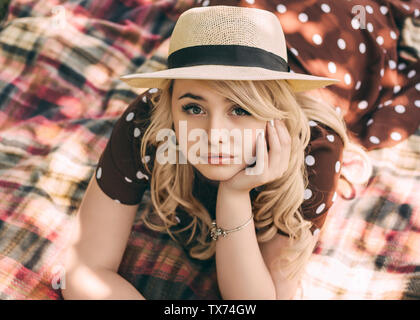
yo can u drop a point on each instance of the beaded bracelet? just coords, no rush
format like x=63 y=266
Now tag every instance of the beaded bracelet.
x=216 y=231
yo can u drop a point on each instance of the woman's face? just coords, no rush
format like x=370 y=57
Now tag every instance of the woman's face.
x=194 y=102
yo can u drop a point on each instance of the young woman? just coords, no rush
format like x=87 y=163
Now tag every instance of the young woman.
x=258 y=209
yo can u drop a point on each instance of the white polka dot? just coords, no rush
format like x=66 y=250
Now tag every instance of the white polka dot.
x=393 y=34
x=362 y=48
x=392 y=64
x=144 y=99
x=153 y=90
x=402 y=66
x=383 y=10
x=380 y=88
x=406 y=7
x=341 y=44
x=177 y=219
x=396 y=89
x=250 y=1
x=417 y=103
x=310 y=160
x=396 y=136
x=137 y=132
x=369 y=27
x=325 y=7
x=416 y=12
x=334 y=197
x=99 y=173
x=369 y=122
x=380 y=40
x=362 y=104
x=347 y=79
x=332 y=67
x=374 y=140
x=117 y=201
x=206 y=3
x=140 y=175
x=411 y=74
x=387 y=103
x=355 y=23
x=291 y=71
x=382 y=72
x=358 y=85
x=317 y=39
x=338 y=110
x=128 y=180
x=330 y=138
x=307 y=194
x=129 y=116
x=281 y=8
x=312 y=123
x=337 y=166
x=320 y=208
x=380 y=105
x=369 y=9
x=145 y=159
x=303 y=17
x=399 y=108
x=418 y=86
x=316 y=231
x=294 y=51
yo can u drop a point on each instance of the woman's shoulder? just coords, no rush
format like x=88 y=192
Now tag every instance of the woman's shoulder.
x=323 y=159
x=121 y=172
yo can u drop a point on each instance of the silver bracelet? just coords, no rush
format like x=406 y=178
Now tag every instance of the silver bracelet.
x=215 y=231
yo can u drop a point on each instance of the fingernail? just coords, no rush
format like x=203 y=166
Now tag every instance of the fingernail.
x=272 y=122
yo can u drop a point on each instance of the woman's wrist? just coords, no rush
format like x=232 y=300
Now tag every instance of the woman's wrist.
x=227 y=190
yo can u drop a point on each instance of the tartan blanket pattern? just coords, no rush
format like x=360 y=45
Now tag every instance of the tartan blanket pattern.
x=59 y=99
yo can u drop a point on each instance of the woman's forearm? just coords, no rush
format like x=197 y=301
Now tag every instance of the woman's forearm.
x=85 y=283
x=241 y=270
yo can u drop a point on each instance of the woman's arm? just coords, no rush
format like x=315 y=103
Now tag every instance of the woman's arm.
x=241 y=270
x=99 y=238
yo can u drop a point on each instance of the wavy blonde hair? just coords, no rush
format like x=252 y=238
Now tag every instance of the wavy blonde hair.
x=277 y=206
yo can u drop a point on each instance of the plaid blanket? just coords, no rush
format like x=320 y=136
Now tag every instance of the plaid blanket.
x=59 y=99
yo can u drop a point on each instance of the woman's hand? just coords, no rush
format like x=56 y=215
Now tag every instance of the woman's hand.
x=270 y=165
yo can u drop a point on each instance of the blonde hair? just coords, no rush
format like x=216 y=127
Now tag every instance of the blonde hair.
x=277 y=206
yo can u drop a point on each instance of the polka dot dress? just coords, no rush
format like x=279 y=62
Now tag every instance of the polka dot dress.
x=121 y=174
x=355 y=42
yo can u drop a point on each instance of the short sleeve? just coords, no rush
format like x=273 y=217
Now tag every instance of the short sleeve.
x=323 y=158
x=120 y=173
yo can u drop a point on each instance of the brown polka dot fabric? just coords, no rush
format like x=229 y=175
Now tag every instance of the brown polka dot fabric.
x=356 y=42
x=121 y=174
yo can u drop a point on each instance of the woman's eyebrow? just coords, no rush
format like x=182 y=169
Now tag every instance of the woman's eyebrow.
x=196 y=97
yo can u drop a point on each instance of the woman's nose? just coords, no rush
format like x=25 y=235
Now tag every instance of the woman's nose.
x=217 y=128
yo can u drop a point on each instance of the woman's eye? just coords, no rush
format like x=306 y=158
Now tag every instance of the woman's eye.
x=196 y=110
x=193 y=107
x=242 y=112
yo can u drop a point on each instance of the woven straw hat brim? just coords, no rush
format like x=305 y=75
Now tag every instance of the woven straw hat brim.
x=298 y=82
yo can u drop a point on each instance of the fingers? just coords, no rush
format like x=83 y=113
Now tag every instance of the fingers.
x=284 y=138
x=283 y=133
x=274 y=142
x=261 y=157
x=279 y=158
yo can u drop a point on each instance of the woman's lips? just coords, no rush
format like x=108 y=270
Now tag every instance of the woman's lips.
x=217 y=159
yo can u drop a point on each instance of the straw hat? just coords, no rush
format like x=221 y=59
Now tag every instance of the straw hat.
x=227 y=43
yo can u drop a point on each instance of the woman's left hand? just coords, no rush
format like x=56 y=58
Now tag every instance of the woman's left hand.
x=270 y=165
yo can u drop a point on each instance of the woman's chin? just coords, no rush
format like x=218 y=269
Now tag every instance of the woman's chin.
x=218 y=173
